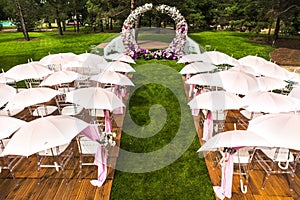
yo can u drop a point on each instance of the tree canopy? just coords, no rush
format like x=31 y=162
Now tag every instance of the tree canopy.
x=282 y=16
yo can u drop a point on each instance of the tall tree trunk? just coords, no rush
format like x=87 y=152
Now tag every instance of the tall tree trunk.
x=101 y=25
x=58 y=22
x=110 y=23
x=276 y=31
x=22 y=20
x=77 y=22
x=269 y=31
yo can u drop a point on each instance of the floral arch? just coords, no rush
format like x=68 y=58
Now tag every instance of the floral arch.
x=175 y=48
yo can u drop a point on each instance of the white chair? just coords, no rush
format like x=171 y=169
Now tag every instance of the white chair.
x=242 y=159
x=57 y=157
x=219 y=118
x=32 y=83
x=86 y=148
x=8 y=162
x=277 y=161
x=66 y=108
x=42 y=110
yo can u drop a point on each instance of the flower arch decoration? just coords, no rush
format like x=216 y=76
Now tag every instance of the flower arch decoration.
x=175 y=48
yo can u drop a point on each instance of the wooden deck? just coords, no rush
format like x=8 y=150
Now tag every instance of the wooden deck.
x=276 y=188
x=53 y=186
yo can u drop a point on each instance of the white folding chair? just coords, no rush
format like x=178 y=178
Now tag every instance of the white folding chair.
x=86 y=148
x=66 y=108
x=242 y=159
x=57 y=157
x=277 y=161
x=41 y=110
x=219 y=118
x=8 y=162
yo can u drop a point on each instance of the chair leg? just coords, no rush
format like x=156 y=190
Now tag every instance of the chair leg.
x=39 y=167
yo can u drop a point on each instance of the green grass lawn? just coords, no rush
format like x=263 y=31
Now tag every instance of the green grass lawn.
x=14 y=50
x=157 y=93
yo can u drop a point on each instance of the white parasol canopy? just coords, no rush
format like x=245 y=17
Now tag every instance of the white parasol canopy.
x=60 y=77
x=59 y=59
x=118 y=66
x=219 y=58
x=44 y=133
x=235 y=138
x=270 y=83
x=112 y=78
x=6 y=93
x=8 y=125
x=120 y=57
x=269 y=102
x=211 y=79
x=30 y=97
x=216 y=100
x=190 y=58
x=94 y=98
x=197 y=67
x=31 y=70
x=281 y=130
x=238 y=82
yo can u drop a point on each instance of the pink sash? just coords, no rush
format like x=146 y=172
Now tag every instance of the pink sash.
x=108 y=125
x=225 y=190
x=208 y=127
x=100 y=157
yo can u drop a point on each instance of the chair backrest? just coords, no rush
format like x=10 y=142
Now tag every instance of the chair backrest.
x=219 y=115
x=86 y=145
x=55 y=151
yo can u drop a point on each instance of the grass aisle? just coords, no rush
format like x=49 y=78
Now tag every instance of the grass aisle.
x=158 y=158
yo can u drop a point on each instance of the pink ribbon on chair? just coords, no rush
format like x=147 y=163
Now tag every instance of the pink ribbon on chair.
x=108 y=125
x=116 y=91
x=195 y=112
x=92 y=133
x=208 y=127
x=225 y=190
x=123 y=92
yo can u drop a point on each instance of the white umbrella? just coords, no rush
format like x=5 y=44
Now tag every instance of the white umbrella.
x=120 y=57
x=60 y=77
x=281 y=130
x=238 y=82
x=234 y=138
x=269 y=102
x=216 y=100
x=270 y=83
x=44 y=133
x=91 y=59
x=6 y=93
x=273 y=70
x=243 y=68
x=295 y=92
x=219 y=58
x=112 y=78
x=94 y=98
x=59 y=59
x=30 y=97
x=8 y=125
x=5 y=80
x=31 y=70
x=189 y=58
x=265 y=68
x=118 y=66
x=211 y=79
x=197 y=67
x=252 y=61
